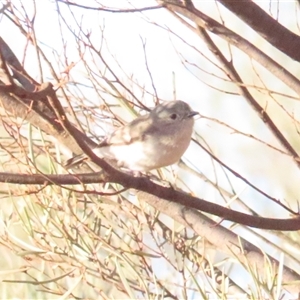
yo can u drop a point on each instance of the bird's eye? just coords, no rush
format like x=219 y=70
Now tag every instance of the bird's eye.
x=173 y=116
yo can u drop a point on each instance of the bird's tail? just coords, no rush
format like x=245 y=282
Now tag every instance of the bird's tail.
x=75 y=161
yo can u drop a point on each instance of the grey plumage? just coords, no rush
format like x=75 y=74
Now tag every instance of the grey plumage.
x=149 y=142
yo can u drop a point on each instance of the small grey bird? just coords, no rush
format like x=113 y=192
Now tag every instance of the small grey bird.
x=149 y=142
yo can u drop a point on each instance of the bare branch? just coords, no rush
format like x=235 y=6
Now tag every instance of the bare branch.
x=112 y=10
x=145 y=185
x=271 y=30
x=204 y=22
x=231 y=37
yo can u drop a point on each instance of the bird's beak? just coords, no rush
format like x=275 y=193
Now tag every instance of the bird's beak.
x=192 y=114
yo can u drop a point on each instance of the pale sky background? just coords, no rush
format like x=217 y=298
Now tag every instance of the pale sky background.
x=124 y=34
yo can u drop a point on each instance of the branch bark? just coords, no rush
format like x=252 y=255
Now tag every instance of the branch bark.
x=146 y=185
x=271 y=30
x=227 y=241
x=204 y=23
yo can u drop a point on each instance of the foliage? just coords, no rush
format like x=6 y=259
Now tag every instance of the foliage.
x=72 y=72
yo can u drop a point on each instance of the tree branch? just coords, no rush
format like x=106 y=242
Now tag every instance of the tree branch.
x=244 y=45
x=204 y=22
x=271 y=30
x=166 y=193
x=227 y=241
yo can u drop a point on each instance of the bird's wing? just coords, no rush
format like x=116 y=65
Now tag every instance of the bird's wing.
x=135 y=130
